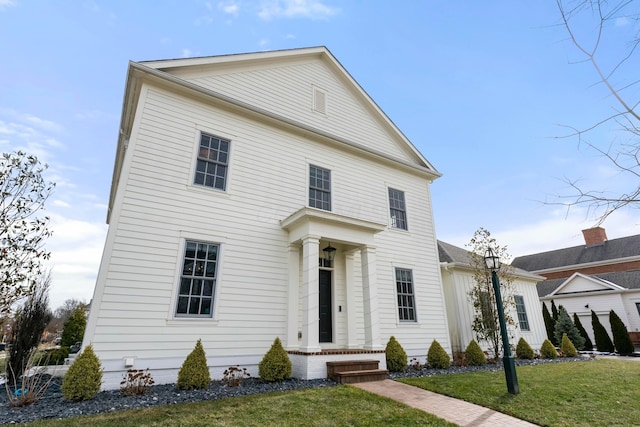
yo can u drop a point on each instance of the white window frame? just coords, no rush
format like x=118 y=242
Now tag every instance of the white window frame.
x=319 y=189
x=181 y=275
x=395 y=209
x=401 y=305
x=522 y=315
x=215 y=163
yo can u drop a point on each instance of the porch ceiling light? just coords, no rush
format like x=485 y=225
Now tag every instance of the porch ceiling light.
x=329 y=252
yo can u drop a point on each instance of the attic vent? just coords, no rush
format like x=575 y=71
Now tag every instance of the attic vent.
x=319 y=101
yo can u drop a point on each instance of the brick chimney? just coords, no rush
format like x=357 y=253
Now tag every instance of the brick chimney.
x=594 y=236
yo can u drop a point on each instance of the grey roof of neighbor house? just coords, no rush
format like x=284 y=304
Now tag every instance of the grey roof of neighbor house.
x=626 y=279
x=609 y=250
x=452 y=254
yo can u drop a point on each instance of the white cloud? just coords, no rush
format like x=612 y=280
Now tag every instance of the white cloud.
x=76 y=249
x=229 y=7
x=188 y=53
x=60 y=203
x=6 y=3
x=263 y=42
x=312 y=9
x=623 y=21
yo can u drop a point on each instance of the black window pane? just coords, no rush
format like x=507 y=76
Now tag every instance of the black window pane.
x=185 y=286
x=194 y=306
x=207 y=290
x=183 y=302
x=206 y=306
x=188 y=267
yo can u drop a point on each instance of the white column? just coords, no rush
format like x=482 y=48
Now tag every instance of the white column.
x=310 y=294
x=352 y=338
x=294 y=297
x=370 y=299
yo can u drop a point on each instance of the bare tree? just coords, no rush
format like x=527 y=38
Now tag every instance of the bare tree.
x=486 y=324
x=622 y=153
x=23 y=192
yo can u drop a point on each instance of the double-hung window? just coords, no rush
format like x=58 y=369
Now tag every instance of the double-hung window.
x=398 y=209
x=319 y=188
x=522 y=313
x=212 y=162
x=404 y=290
x=197 y=280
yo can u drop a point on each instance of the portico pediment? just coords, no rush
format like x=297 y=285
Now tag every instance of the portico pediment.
x=316 y=222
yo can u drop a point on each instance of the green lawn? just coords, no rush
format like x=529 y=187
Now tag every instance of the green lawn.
x=593 y=393
x=333 y=406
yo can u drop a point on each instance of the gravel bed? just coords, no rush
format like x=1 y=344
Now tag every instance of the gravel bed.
x=54 y=406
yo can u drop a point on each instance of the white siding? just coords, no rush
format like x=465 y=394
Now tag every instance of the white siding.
x=458 y=283
x=288 y=89
x=157 y=208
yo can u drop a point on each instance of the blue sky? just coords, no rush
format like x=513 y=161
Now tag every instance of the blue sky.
x=481 y=88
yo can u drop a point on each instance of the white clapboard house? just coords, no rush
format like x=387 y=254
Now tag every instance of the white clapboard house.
x=257 y=196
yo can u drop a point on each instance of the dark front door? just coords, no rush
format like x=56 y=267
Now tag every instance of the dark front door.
x=326 y=333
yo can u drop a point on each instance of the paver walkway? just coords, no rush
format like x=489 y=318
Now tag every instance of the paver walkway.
x=450 y=409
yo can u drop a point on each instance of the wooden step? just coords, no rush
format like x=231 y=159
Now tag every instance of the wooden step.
x=361 y=376
x=350 y=366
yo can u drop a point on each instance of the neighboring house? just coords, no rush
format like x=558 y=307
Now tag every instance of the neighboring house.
x=601 y=275
x=236 y=177
x=458 y=281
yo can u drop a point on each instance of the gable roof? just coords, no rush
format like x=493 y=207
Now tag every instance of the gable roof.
x=168 y=73
x=623 y=279
x=623 y=247
x=450 y=254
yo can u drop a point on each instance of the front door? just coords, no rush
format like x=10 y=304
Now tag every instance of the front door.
x=326 y=333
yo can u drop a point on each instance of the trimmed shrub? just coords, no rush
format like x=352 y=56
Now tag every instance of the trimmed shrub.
x=194 y=372
x=474 y=355
x=549 y=322
x=524 y=350
x=564 y=325
x=554 y=311
x=73 y=329
x=275 y=365
x=396 y=356
x=567 y=348
x=84 y=377
x=436 y=356
x=548 y=351
x=621 y=337
x=603 y=342
x=588 y=345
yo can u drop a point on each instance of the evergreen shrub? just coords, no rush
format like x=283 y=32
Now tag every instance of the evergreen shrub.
x=588 y=345
x=194 y=372
x=275 y=365
x=436 y=356
x=549 y=322
x=567 y=348
x=84 y=377
x=548 y=351
x=603 y=342
x=621 y=337
x=524 y=350
x=474 y=355
x=564 y=325
x=396 y=356
x=73 y=329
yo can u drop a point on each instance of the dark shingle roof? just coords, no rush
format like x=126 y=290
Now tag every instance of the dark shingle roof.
x=450 y=253
x=609 y=250
x=626 y=279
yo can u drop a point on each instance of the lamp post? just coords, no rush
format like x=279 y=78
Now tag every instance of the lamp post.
x=493 y=264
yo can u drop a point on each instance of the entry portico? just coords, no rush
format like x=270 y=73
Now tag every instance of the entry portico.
x=309 y=230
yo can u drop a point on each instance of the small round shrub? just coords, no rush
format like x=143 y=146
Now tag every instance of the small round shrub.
x=396 y=356
x=474 y=355
x=275 y=365
x=194 y=372
x=524 y=350
x=567 y=348
x=84 y=377
x=548 y=351
x=436 y=356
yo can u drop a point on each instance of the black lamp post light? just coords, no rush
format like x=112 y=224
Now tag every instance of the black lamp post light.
x=493 y=264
